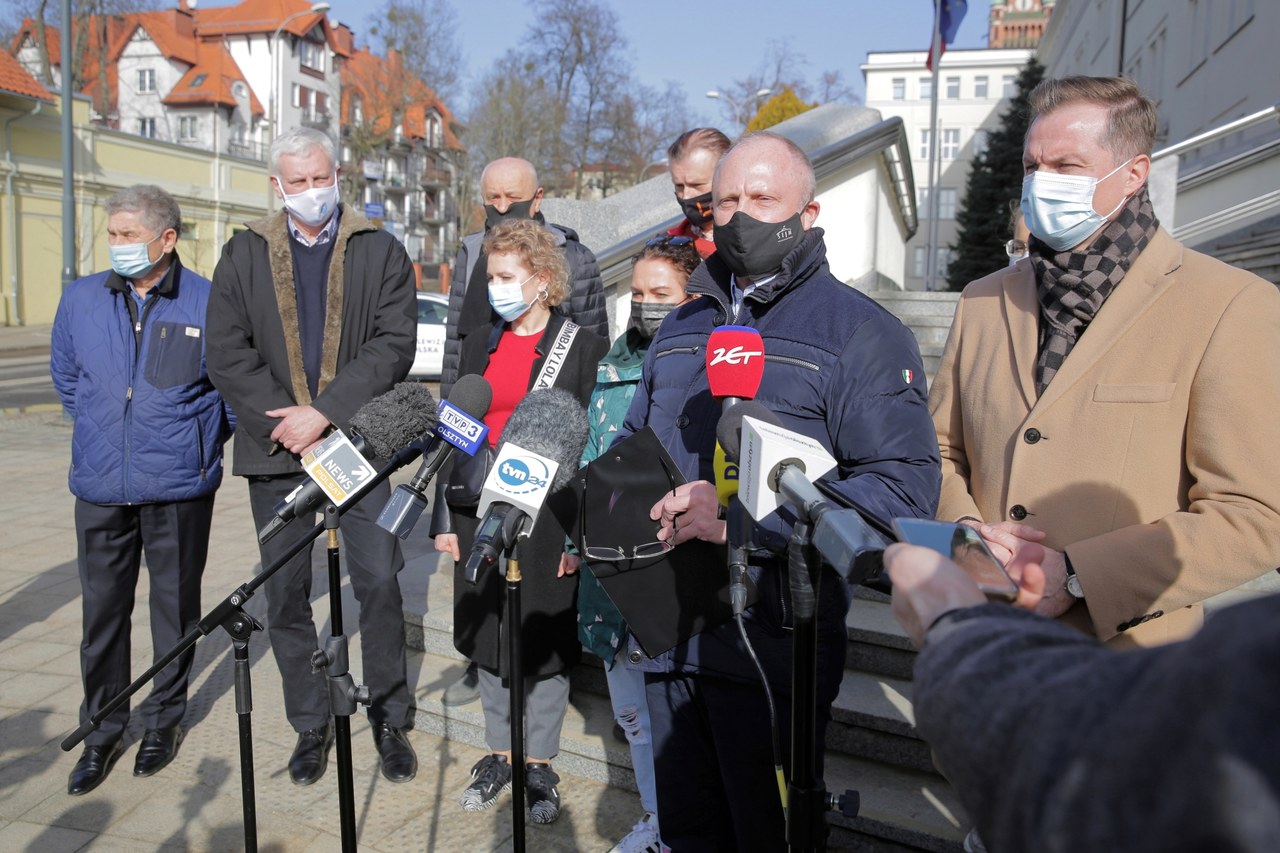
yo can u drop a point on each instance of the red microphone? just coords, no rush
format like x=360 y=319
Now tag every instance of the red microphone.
x=735 y=363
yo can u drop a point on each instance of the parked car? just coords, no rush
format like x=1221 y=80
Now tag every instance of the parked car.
x=432 y=310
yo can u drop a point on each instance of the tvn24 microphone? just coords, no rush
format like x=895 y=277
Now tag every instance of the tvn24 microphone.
x=776 y=465
x=539 y=453
x=383 y=426
x=460 y=425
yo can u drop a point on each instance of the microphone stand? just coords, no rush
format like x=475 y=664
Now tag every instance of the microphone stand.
x=807 y=797
x=230 y=615
x=515 y=668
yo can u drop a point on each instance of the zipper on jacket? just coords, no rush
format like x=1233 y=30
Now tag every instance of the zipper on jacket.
x=678 y=351
x=200 y=446
x=787 y=359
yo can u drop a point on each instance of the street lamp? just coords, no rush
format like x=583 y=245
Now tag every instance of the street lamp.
x=274 y=107
x=734 y=105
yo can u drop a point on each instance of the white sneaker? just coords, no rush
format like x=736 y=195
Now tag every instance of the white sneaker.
x=643 y=838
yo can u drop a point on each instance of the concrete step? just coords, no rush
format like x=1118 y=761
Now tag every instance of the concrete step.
x=904 y=304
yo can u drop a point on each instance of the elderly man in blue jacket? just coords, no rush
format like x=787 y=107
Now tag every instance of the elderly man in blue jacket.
x=838 y=369
x=146 y=458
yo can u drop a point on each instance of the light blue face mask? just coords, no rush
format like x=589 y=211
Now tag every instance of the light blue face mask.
x=132 y=259
x=508 y=299
x=1059 y=208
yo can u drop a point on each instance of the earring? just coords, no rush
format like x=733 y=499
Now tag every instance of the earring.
x=543 y=295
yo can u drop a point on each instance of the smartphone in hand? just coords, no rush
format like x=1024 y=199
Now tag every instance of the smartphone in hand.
x=965 y=547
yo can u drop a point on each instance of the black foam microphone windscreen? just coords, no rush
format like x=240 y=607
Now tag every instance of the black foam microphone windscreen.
x=729 y=429
x=473 y=394
x=391 y=421
x=552 y=423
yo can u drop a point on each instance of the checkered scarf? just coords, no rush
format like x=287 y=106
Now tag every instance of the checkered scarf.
x=1071 y=286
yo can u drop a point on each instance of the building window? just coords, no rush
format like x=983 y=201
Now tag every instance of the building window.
x=943 y=262
x=198 y=81
x=919 y=257
x=926 y=88
x=899 y=88
x=188 y=127
x=1009 y=86
x=946 y=203
x=922 y=203
x=924 y=144
x=146 y=80
x=147 y=127
x=953 y=88
x=950 y=143
x=311 y=55
x=357 y=110
x=980 y=86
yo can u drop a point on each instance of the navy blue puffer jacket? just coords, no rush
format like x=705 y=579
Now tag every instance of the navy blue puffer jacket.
x=149 y=425
x=839 y=369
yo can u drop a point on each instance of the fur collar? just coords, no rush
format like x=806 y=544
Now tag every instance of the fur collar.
x=275 y=231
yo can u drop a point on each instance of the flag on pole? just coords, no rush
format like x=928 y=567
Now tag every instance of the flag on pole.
x=946 y=25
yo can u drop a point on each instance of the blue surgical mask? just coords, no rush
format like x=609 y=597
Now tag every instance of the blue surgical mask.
x=508 y=299
x=1059 y=208
x=132 y=259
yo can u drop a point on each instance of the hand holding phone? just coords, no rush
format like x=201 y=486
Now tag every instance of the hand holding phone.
x=965 y=547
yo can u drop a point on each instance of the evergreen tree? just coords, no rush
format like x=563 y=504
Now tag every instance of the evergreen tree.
x=995 y=179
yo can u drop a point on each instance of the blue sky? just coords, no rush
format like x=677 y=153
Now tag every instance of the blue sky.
x=712 y=43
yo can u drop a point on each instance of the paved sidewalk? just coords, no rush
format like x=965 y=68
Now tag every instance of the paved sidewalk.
x=194 y=804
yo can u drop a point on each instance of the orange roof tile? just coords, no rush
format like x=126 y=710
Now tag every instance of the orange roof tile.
x=382 y=84
x=264 y=16
x=14 y=78
x=210 y=79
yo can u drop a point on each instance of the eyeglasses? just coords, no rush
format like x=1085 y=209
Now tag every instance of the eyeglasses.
x=668 y=240
x=1015 y=248
x=617 y=553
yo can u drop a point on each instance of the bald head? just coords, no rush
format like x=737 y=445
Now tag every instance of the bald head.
x=767 y=177
x=509 y=180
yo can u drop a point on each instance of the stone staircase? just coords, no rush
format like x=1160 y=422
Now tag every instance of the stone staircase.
x=872 y=746
x=928 y=315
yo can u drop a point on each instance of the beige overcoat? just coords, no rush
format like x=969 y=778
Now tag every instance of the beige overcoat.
x=1153 y=457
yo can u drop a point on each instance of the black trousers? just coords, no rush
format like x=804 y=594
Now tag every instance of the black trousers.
x=372 y=560
x=110 y=543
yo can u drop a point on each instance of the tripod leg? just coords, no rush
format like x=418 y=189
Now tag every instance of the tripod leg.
x=515 y=667
x=244 y=718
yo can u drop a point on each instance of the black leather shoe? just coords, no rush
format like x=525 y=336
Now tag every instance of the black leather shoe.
x=311 y=756
x=93 y=766
x=158 y=748
x=399 y=761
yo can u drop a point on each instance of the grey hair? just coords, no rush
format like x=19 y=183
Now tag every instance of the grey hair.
x=298 y=142
x=155 y=207
x=799 y=159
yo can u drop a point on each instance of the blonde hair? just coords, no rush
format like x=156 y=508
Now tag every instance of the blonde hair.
x=537 y=249
x=1131 y=115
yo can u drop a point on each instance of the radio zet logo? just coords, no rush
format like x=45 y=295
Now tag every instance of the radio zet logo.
x=523 y=475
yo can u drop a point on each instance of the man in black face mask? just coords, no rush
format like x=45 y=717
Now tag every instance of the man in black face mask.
x=692 y=161
x=510 y=190
x=838 y=369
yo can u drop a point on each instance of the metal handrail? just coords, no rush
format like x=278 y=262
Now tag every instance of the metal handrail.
x=1227 y=129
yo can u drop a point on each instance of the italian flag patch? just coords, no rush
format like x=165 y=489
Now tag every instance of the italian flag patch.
x=908 y=375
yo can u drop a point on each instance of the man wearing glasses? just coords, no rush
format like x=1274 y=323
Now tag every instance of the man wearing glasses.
x=838 y=369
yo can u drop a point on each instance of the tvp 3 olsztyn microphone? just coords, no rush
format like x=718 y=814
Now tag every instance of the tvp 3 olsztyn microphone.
x=459 y=426
x=539 y=453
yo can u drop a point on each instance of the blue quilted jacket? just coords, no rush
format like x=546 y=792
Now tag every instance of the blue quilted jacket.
x=149 y=426
x=839 y=369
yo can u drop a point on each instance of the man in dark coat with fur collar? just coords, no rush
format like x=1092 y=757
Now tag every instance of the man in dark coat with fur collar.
x=312 y=314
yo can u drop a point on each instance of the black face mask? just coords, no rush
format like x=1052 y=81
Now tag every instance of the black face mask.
x=697 y=210
x=646 y=317
x=751 y=248
x=517 y=210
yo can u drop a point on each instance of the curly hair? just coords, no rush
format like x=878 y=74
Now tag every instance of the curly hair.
x=681 y=254
x=537 y=249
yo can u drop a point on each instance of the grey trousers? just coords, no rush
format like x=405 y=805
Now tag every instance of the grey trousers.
x=545 y=701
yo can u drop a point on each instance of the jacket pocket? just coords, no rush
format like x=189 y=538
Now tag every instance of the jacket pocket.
x=1157 y=393
x=175 y=355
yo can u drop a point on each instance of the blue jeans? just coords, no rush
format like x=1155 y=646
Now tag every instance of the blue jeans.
x=631 y=710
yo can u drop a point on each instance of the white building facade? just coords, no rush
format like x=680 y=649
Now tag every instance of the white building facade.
x=974 y=87
x=1205 y=63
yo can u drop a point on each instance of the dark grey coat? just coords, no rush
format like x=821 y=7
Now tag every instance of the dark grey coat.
x=254 y=352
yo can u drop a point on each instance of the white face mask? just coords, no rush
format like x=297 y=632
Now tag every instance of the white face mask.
x=1059 y=208
x=314 y=206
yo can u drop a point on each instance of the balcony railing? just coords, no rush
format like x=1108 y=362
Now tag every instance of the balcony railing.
x=248 y=150
x=434 y=175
